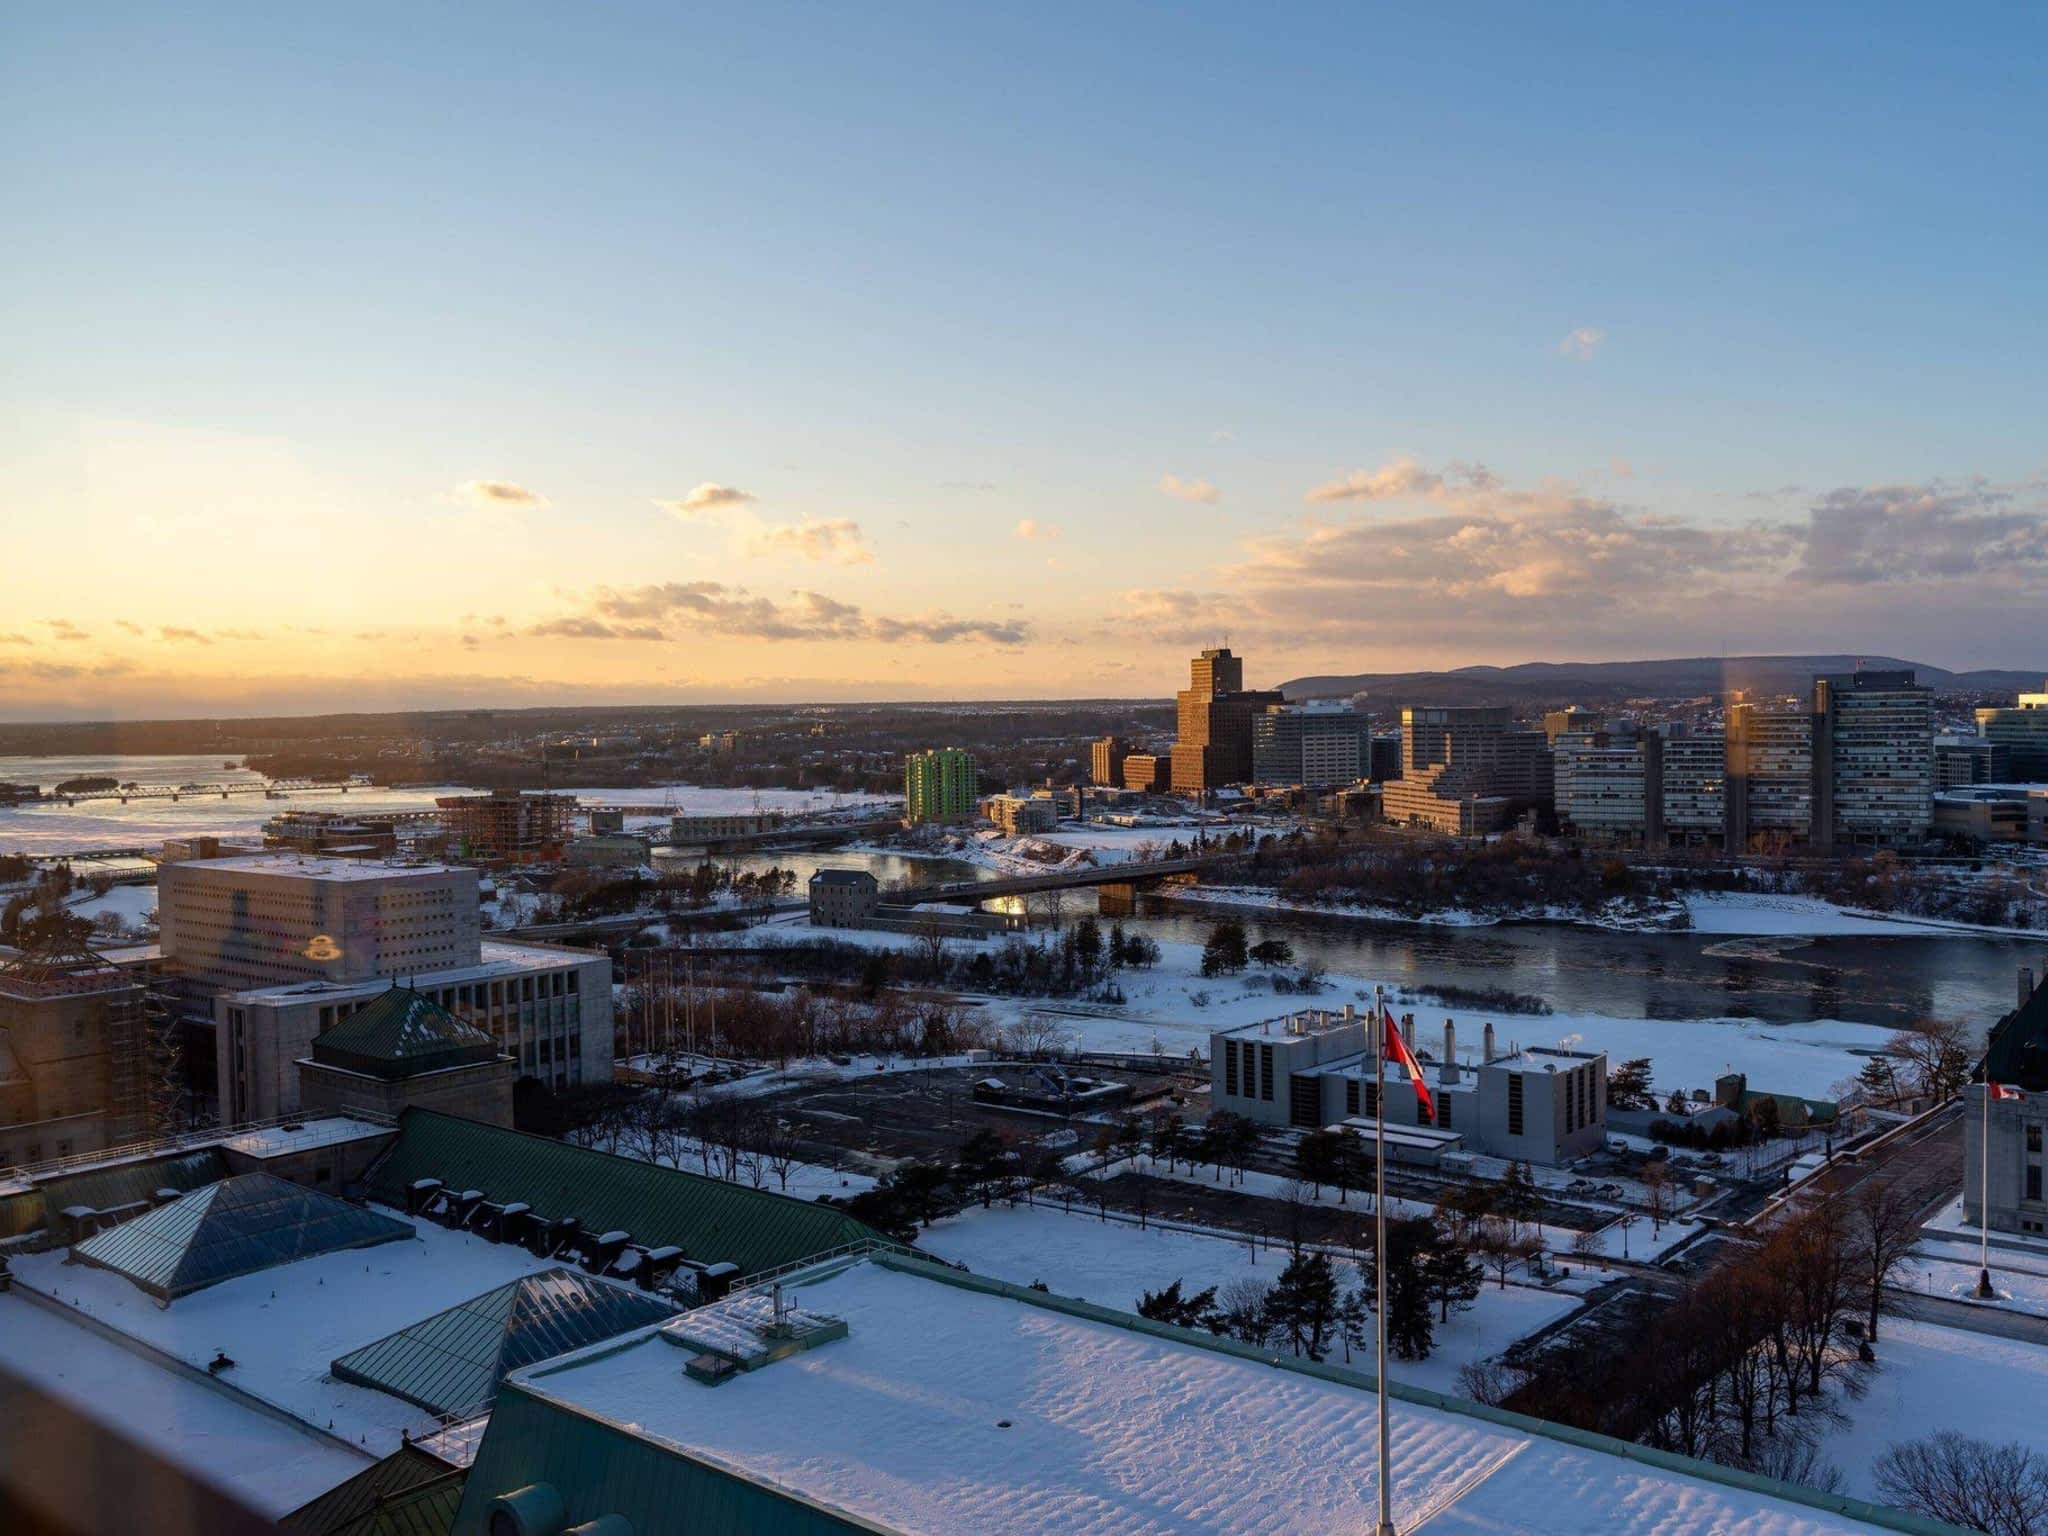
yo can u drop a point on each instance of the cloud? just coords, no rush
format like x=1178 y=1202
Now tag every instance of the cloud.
x=834 y=541
x=499 y=495
x=1893 y=534
x=1032 y=528
x=1403 y=477
x=1581 y=343
x=710 y=496
x=1190 y=490
x=176 y=633
x=15 y=639
x=669 y=609
x=64 y=629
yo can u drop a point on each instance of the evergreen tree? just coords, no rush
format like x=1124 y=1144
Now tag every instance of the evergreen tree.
x=1226 y=952
x=1170 y=1306
x=1628 y=1085
x=1303 y=1304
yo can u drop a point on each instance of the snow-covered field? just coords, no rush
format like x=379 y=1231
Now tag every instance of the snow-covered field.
x=284 y=1326
x=1113 y=1264
x=134 y=905
x=1805 y=916
x=1933 y=1378
x=269 y=1464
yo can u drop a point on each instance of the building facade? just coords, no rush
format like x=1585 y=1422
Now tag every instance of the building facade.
x=1873 y=759
x=843 y=898
x=1214 y=713
x=940 y=785
x=1316 y=744
x=1770 y=775
x=2016 y=1058
x=75 y=1055
x=1960 y=761
x=1609 y=786
x=2022 y=730
x=1467 y=770
x=508 y=826
x=1316 y=1068
x=1106 y=761
x=1148 y=773
x=1022 y=815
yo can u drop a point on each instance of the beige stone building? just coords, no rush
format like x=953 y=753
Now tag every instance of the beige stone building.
x=74 y=1056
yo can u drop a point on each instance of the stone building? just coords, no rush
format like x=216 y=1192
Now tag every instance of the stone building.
x=403 y=1051
x=74 y=1054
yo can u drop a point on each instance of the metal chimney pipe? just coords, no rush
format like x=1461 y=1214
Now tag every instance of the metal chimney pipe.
x=1449 y=1074
x=1486 y=1043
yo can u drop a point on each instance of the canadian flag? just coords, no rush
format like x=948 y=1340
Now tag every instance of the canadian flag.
x=2002 y=1091
x=1396 y=1049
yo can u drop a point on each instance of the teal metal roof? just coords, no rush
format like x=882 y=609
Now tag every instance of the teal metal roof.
x=241 y=1225
x=109 y=1188
x=344 y=1506
x=710 y=1220
x=453 y=1361
x=604 y=1469
x=402 y=1034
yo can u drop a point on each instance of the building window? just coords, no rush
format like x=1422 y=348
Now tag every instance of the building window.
x=2033 y=1138
x=1350 y=1095
x=1230 y=1068
x=1266 y=1073
x=1372 y=1099
x=1514 y=1103
x=2033 y=1181
x=1304 y=1101
x=1443 y=1112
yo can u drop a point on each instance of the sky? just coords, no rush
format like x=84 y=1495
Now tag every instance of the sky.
x=407 y=356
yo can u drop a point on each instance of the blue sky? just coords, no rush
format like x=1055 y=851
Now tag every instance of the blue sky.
x=939 y=272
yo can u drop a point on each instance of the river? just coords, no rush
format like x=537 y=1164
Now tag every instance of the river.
x=1874 y=980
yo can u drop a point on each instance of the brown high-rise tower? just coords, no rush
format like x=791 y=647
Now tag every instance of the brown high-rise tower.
x=1215 y=746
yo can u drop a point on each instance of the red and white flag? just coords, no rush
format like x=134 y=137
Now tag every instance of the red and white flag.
x=2003 y=1091
x=1394 y=1048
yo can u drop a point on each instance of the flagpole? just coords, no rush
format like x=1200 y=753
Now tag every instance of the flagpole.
x=1984 y=1292
x=1379 y=1248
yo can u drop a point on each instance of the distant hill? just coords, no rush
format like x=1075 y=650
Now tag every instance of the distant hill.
x=1610 y=682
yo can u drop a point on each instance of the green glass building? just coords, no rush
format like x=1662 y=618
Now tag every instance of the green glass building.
x=940 y=785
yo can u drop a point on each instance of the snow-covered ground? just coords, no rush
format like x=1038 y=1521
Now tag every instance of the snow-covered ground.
x=270 y=1465
x=284 y=1326
x=665 y=800
x=134 y=905
x=1949 y=1269
x=1933 y=1378
x=807 y=1181
x=1806 y=916
x=1113 y=1264
x=1171 y=1009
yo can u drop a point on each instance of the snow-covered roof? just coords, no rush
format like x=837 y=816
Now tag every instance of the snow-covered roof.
x=961 y=1406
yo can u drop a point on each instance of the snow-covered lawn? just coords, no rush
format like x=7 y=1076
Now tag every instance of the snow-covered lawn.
x=268 y=1464
x=1948 y=1268
x=284 y=1326
x=1113 y=1264
x=1932 y=1378
x=135 y=905
x=807 y=1181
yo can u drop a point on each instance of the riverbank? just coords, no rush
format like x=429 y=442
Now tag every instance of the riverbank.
x=1731 y=913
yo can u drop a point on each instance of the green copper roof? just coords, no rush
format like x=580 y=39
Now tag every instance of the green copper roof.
x=347 y=1506
x=453 y=1361
x=402 y=1034
x=241 y=1225
x=710 y=1220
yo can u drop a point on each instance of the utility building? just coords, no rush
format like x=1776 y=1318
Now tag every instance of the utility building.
x=1316 y=1068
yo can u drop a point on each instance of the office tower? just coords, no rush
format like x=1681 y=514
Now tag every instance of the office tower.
x=1467 y=770
x=1769 y=777
x=1317 y=744
x=1873 y=759
x=1106 y=761
x=1609 y=784
x=2022 y=730
x=1215 y=716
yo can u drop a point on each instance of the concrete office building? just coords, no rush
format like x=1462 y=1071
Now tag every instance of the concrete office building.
x=1873 y=759
x=1960 y=761
x=2016 y=1056
x=1573 y=721
x=1609 y=785
x=1467 y=770
x=1694 y=773
x=1106 y=761
x=2022 y=730
x=1769 y=786
x=697 y=829
x=1148 y=772
x=1215 y=713
x=1993 y=813
x=1316 y=1068
x=940 y=785
x=1315 y=744
x=333 y=832
x=276 y=949
x=74 y=1054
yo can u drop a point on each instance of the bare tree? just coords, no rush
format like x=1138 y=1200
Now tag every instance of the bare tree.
x=2002 y=1489
x=1657 y=1195
x=1882 y=1218
x=779 y=1148
x=1934 y=1054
